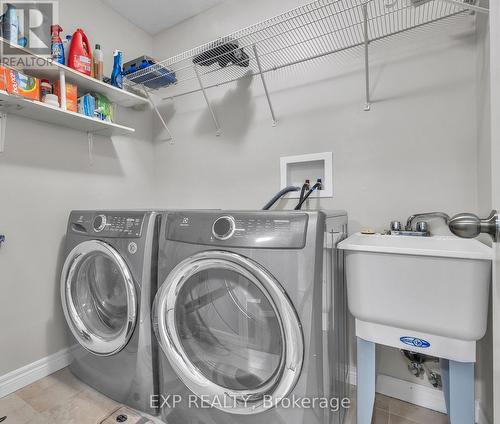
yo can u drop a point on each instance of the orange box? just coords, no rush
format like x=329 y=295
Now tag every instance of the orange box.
x=71 y=95
x=3 y=78
x=22 y=85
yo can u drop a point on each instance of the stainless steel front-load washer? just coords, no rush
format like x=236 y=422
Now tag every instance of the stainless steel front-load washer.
x=251 y=315
x=108 y=283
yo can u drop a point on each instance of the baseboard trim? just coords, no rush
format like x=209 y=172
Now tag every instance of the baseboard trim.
x=417 y=394
x=22 y=377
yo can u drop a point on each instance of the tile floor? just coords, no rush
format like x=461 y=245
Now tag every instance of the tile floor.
x=62 y=399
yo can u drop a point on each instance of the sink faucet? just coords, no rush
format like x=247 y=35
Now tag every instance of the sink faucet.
x=409 y=222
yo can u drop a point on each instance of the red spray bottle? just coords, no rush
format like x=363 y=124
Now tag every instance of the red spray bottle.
x=80 y=57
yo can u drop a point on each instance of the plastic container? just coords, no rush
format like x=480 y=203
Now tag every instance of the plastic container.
x=51 y=99
x=45 y=88
x=56 y=45
x=117 y=74
x=10 y=24
x=66 y=45
x=98 y=60
x=80 y=57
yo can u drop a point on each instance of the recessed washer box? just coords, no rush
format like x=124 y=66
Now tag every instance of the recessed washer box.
x=295 y=170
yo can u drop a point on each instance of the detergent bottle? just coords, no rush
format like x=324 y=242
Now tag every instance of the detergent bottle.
x=56 y=45
x=117 y=74
x=80 y=57
x=66 y=45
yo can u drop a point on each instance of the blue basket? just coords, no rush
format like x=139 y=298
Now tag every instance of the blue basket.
x=160 y=77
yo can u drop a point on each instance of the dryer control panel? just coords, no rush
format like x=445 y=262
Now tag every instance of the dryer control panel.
x=239 y=229
x=109 y=224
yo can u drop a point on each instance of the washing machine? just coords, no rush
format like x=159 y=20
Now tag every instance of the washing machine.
x=251 y=318
x=108 y=283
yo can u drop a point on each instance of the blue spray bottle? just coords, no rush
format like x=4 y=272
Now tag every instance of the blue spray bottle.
x=57 y=47
x=117 y=74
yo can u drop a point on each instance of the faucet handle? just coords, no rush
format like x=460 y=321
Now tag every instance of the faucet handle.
x=396 y=226
x=422 y=227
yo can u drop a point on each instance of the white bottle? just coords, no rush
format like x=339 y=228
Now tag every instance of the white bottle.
x=98 y=59
x=66 y=44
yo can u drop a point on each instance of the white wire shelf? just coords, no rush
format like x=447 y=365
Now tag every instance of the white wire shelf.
x=312 y=31
x=317 y=29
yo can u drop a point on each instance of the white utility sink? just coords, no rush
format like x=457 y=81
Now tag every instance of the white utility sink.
x=431 y=285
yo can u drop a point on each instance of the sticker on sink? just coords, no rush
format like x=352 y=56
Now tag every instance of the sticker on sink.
x=415 y=342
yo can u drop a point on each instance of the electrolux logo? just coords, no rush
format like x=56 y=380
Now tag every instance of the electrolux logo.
x=415 y=342
x=27 y=24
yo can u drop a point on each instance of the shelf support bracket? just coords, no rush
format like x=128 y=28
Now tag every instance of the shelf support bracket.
x=163 y=122
x=212 y=112
x=62 y=88
x=261 y=73
x=367 y=57
x=90 y=137
x=3 y=125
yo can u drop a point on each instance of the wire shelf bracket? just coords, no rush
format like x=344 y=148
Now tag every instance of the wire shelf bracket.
x=218 y=129
x=3 y=125
x=367 y=56
x=162 y=120
x=264 y=84
x=90 y=140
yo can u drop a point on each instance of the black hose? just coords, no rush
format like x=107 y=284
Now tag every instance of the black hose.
x=305 y=187
x=314 y=187
x=279 y=195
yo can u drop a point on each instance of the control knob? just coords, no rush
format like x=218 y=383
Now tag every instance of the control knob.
x=100 y=222
x=224 y=227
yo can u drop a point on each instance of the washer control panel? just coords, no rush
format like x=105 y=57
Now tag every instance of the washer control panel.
x=122 y=225
x=239 y=229
x=108 y=224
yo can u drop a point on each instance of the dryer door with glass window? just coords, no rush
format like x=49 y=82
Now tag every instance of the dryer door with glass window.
x=229 y=331
x=99 y=297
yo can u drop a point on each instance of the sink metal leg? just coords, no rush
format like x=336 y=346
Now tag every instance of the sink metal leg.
x=461 y=393
x=445 y=378
x=366 y=377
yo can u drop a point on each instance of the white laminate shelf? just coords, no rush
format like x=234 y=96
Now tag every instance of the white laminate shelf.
x=45 y=68
x=39 y=111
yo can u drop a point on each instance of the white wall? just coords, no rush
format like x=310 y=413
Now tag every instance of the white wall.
x=44 y=173
x=415 y=151
x=495 y=193
x=484 y=374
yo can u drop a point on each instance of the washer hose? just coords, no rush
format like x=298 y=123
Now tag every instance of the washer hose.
x=279 y=195
x=314 y=187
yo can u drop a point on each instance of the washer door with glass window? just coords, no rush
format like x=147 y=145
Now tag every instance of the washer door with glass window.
x=99 y=297
x=229 y=331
